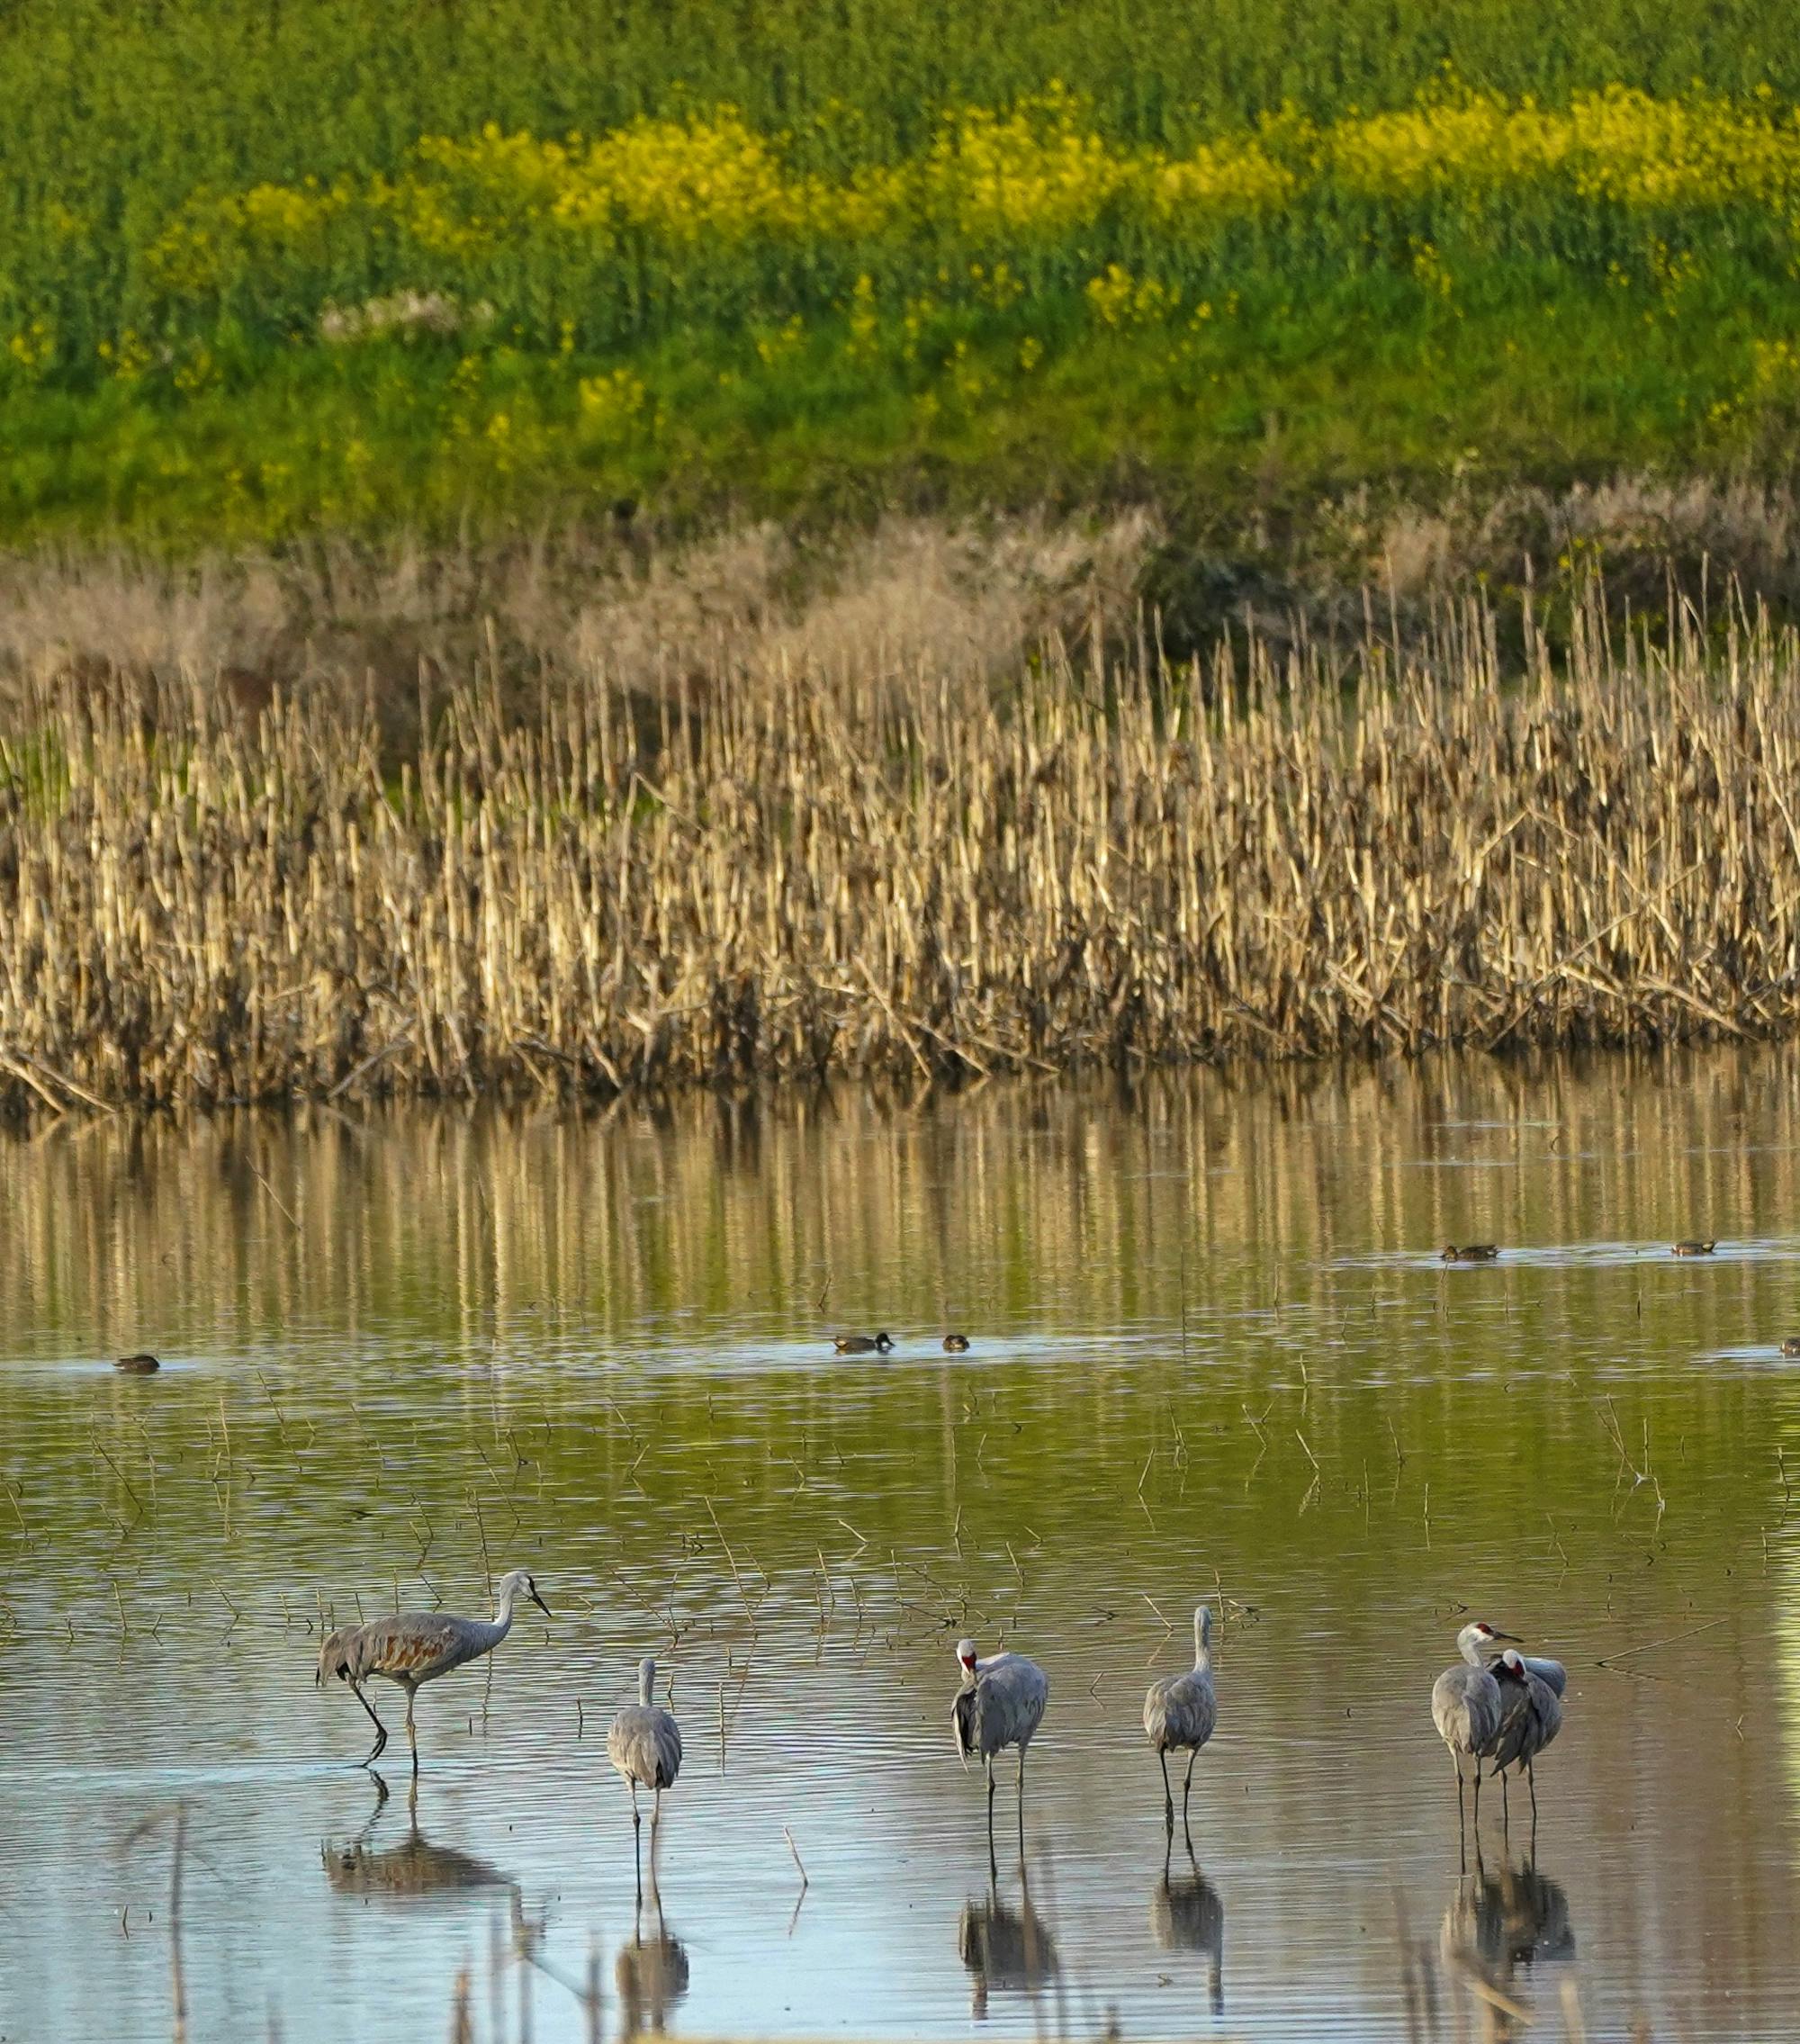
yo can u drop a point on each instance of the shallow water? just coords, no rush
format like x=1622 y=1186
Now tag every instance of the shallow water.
x=1215 y=1354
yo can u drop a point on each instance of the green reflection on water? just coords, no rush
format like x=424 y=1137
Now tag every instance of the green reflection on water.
x=1214 y=1353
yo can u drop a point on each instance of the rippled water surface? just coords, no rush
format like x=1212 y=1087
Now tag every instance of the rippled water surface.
x=1214 y=1353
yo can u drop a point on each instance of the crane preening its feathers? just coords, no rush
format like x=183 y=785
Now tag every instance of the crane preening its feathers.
x=1180 y=1713
x=1531 y=1716
x=414 y=1647
x=1000 y=1703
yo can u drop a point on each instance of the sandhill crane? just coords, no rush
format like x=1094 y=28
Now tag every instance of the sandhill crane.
x=1180 y=1711
x=644 y=1744
x=1465 y=1708
x=1000 y=1703
x=1531 y=1716
x=417 y=1646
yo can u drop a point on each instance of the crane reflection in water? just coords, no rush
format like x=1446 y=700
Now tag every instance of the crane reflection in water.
x=1004 y=1945
x=1498 y=1926
x=1186 y=1915
x=412 y=1866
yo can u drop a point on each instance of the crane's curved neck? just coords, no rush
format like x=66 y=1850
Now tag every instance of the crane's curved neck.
x=1470 y=1643
x=646 y=1683
x=503 y=1609
x=1203 y=1651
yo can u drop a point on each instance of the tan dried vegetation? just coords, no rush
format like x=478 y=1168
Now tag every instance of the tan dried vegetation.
x=846 y=842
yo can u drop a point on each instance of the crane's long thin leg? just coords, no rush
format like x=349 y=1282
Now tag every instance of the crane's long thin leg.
x=1477 y=1799
x=637 y=1844
x=992 y=1863
x=1168 y=1798
x=1462 y=1815
x=655 y=1837
x=412 y=1729
x=1531 y=1776
x=1506 y=1812
x=1187 y=1789
x=380 y=1729
x=1021 y=1806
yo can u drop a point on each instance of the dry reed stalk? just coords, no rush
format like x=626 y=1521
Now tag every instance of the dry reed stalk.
x=787 y=873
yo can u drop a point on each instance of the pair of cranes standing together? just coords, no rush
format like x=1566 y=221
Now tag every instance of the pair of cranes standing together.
x=413 y=1648
x=1503 y=1708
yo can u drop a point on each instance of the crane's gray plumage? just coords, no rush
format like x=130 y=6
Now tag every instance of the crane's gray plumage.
x=1531 y=1716
x=1465 y=1706
x=1001 y=1703
x=644 y=1744
x=1180 y=1711
x=416 y=1647
x=1547 y=1671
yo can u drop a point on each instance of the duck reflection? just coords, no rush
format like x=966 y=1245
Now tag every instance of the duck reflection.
x=413 y=1866
x=1186 y=1915
x=650 y=1976
x=1497 y=1925
x=1005 y=1948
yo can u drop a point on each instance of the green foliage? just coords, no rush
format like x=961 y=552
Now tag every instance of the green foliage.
x=276 y=267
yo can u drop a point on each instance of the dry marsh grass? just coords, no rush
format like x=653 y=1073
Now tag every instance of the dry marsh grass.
x=791 y=861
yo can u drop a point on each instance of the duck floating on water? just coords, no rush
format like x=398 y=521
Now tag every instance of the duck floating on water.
x=142 y=1365
x=1791 y=1347
x=863 y=1344
x=1687 y=1249
x=956 y=1343
x=1471 y=1252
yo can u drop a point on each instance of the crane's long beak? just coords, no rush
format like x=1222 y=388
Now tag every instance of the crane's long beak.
x=541 y=1605
x=1512 y=1639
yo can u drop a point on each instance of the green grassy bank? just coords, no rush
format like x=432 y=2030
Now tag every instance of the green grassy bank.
x=273 y=268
